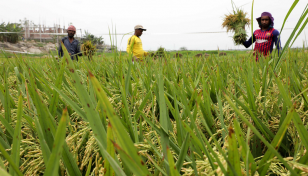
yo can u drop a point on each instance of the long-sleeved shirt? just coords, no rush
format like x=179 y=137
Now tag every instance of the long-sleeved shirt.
x=134 y=46
x=73 y=48
x=264 y=41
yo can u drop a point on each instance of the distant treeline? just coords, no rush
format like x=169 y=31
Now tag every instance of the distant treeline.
x=10 y=37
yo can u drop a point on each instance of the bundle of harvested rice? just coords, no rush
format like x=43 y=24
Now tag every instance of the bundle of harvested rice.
x=161 y=52
x=89 y=49
x=236 y=23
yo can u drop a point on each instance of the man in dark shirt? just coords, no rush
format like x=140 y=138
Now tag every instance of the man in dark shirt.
x=71 y=44
x=265 y=37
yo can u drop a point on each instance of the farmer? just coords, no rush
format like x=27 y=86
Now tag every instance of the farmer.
x=134 y=44
x=265 y=37
x=71 y=44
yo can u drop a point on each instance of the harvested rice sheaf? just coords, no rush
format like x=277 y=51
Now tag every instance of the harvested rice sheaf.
x=161 y=52
x=240 y=36
x=236 y=23
x=89 y=49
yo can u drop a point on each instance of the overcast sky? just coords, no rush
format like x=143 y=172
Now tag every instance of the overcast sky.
x=166 y=21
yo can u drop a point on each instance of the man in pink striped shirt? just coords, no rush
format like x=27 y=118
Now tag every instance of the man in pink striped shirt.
x=265 y=37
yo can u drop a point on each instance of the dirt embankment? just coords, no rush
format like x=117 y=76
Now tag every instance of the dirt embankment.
x=28 y=47
x=40 y=48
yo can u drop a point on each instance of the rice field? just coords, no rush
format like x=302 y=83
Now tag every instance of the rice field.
x=211 y=115
x=220 y=115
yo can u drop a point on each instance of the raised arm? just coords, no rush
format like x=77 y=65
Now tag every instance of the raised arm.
x=248 y=43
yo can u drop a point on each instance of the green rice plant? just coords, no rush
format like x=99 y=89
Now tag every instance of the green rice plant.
x=253 y=1
x=182 y=116
x=301 y=22
x=17 y=137
x=52 y=165
x=197 y=136
x=110 y=148
x=233 y=154
x=173 y=170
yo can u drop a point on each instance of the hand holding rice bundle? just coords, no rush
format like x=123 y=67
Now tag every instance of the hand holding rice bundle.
x=236 y=23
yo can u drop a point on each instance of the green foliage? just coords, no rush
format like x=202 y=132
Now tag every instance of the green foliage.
x=212 y=52
x=38 y=44
x=197 y=100
x=153 y=117
x=10 y=37
x=96 y=40
x=161 y=52
x=296 y=31
x=183 y=48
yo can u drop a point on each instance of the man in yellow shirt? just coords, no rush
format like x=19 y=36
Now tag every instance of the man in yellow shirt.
x=134 y=44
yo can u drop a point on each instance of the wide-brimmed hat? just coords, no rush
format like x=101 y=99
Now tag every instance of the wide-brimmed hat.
x=139 y=27
x=266 y=14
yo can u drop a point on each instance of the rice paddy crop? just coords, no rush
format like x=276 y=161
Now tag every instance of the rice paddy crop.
x=227 y=115
x=206 y=116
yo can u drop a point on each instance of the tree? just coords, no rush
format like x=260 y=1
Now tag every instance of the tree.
x=13 y=37
x=183 y=48
x=94 y=39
